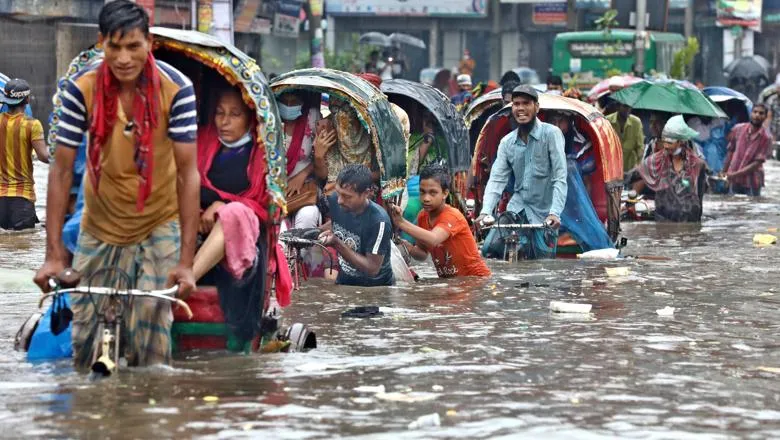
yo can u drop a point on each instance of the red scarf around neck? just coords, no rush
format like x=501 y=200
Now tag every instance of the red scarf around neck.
x=255 y=196
x=296 y=141
x=146 y=114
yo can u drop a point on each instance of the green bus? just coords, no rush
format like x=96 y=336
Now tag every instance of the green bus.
x=588 y=57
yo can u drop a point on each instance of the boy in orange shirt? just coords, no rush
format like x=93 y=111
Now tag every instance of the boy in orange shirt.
x=443 y=231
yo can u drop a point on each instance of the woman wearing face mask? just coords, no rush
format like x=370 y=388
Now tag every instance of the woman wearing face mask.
x=300 y=113
x=232 y=195
x=675 y=173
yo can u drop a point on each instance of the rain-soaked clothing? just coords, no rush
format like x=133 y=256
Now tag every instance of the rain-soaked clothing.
x=748 y=144
x=539 y=171
x=147 y=329
x=678 y=195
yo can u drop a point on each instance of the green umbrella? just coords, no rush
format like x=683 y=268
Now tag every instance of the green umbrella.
x=668 y=97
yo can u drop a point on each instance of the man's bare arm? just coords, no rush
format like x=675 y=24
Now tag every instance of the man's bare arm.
x=57 y=196
x=41 y=150
x=368 y=264
x=188 y=191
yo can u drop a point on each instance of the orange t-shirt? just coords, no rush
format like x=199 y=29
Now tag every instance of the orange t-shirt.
x=458 y=255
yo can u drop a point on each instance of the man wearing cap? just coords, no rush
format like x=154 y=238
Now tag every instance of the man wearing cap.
x=19 y=136
x=632 y=138
x=533 y=155
x=675 y=173
x=464 y=97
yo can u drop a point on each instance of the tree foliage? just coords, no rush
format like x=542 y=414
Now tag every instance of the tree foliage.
x=607 y=22
x=683 y=59
x=350 y=59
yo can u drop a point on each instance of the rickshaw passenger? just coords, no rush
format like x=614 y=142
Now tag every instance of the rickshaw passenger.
x=506 y=91
x=425 y=148
x=301 y=114
x=425 y=145
x=353 y=145
x=232 y=195
x=577 y=147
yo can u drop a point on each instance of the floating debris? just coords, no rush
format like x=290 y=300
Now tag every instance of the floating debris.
x=764 y=239
x=617 y=271
x=370 y=389
x=666 y=311
x=426 y=421
x=564 y=307
x=600 y=254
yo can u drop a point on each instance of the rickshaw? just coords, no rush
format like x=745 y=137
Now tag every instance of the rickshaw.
x=606 y=180
x=202 y=323
x=376 y=117
x=478 y=113
x=373 y=110
x=412 y=97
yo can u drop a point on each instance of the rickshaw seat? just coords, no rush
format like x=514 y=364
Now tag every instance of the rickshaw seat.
x=566 y=240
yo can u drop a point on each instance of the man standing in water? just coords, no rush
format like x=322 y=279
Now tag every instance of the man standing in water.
x=632 y=137
x=749 y=147
x=534 y=155
x=19 y=136
x=359 y=231
x=142 y=187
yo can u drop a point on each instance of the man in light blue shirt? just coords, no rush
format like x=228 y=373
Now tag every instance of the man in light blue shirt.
x=534 y=156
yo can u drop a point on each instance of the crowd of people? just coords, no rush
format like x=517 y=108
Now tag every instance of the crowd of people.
x=170 y=201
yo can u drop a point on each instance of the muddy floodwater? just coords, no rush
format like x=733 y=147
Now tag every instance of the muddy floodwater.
x=487 y=356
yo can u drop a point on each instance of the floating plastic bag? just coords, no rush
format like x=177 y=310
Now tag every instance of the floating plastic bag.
x=400 y=268
x=600 y=254
x=45 y=345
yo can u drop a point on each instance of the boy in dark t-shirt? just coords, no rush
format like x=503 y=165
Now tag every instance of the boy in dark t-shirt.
x=359 y=231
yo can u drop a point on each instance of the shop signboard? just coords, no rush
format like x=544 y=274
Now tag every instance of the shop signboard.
x=413 y=8
x=744 y=13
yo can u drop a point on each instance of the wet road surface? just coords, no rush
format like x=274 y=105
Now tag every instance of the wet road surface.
x=487 y=356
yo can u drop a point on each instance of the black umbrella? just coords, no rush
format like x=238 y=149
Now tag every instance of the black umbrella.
x=748 y=67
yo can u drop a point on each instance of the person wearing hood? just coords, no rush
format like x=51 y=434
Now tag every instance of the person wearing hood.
x=675 y=173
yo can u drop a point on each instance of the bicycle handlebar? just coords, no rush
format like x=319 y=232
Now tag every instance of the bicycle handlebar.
x=165 y=294
x=518 y=226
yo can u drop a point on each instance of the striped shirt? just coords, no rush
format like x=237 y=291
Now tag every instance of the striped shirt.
x=112 y=216
x=17 y=133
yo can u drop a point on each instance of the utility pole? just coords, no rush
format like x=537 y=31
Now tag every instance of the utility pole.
x=315 y=27
x=641 y=15
x=689 y=31
x=495 y=40
x=571 y=15
x=689 y=19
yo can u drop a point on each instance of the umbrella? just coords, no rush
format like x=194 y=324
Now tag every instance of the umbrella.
x=680 y=82
x=375 y=39
x=602 y=88
x=723 y=94
x=748 y=67
x=668 y=97
x=407 y=39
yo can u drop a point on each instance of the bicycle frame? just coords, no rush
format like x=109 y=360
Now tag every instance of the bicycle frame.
x=512 y=240
x=106 y=354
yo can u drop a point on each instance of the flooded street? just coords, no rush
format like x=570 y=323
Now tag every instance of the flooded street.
x=487 y=356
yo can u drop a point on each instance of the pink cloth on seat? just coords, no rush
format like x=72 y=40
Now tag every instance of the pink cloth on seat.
x=241 y=228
